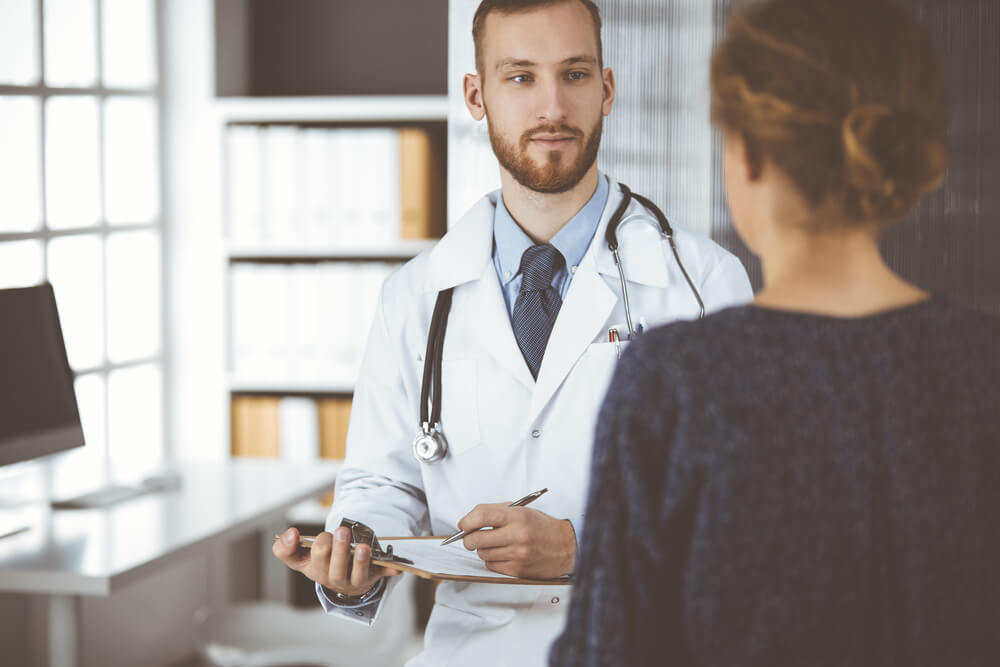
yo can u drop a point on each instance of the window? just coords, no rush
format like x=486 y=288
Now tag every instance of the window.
x=80 y=207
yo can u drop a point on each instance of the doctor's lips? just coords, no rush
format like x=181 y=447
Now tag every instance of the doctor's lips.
x=554 y=139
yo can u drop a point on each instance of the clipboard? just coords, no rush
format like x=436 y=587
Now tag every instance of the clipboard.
x=425 y=568
x=435 y=558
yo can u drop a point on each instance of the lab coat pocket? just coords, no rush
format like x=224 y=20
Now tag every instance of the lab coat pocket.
x=603 y=352
x=459 y=405
x=600 y=361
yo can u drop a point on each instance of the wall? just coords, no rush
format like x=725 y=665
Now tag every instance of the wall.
x=657 y=140
x=332 y=47
x=194 y=241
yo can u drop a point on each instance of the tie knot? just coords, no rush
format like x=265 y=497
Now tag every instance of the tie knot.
x=539 y=264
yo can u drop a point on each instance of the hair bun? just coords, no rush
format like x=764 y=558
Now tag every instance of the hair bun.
x=891 y=158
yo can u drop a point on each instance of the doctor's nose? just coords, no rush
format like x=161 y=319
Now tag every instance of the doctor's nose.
x=552 y=103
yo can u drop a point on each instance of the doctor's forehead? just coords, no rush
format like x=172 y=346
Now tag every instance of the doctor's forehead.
x=558 y=34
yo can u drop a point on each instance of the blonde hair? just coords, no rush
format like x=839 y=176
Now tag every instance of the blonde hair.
x=845 y=97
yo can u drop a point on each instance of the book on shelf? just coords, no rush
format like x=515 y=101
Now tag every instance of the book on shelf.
x=298 y=430
x=422 y=197
x=303 y=324
x=313 y=186
x=282 y=158
x=295 y=429
x=334 y=417
x=254 y=427
x=244 y=183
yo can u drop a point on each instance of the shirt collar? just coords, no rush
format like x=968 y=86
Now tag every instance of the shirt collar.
x=510 y=241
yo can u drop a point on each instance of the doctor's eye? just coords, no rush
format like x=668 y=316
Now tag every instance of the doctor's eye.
x=521 y=78
x=577 y=75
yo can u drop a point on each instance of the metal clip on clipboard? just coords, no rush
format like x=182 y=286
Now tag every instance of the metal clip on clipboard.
x=362 y=534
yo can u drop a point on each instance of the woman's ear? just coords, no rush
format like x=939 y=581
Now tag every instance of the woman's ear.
x=753 y=158
x=743 y=161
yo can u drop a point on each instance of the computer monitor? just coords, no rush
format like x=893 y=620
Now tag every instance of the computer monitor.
x=38 y=411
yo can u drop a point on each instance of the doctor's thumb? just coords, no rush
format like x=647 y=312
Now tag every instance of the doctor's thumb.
x=287 y=545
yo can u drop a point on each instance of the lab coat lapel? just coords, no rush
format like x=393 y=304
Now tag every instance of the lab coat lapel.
x=464 y=255
x=588 y=305
x=461 y=255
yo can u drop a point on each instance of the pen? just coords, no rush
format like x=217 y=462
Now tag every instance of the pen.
x=616 y=339
x=530 y=498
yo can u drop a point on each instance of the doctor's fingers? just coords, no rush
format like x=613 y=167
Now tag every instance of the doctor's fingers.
x=287 y=551
x=518 y=553
x=338 y=565
x=512 y=534
x=486 y=515
x=360 y=578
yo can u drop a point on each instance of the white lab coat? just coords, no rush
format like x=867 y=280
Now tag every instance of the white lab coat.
x=508 y=435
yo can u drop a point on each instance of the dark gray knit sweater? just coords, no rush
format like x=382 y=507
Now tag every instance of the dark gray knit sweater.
x=774 y=488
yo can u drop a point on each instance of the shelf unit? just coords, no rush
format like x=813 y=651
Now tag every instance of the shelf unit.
x=315 y=112
x=260 y=254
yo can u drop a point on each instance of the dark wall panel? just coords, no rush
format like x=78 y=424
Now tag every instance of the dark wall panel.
x=332 y=47
x=950 y=244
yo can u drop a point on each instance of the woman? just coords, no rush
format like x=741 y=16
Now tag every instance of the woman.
x=812 y=479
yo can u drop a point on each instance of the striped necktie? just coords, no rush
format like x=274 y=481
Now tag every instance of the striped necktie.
x=537 y=303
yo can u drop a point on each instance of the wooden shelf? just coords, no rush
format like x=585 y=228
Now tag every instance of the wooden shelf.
x=395 y=251
x=247 y=386
x=290 y=110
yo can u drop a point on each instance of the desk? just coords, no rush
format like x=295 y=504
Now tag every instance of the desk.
x=72 y=553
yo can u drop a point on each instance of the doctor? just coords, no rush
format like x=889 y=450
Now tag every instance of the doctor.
x=526 y=357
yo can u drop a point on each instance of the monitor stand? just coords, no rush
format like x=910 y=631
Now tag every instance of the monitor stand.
x=112 y=494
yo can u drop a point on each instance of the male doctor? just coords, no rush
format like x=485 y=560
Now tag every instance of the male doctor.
x=526 y=357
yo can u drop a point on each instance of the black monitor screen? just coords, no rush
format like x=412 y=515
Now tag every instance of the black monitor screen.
x=38 y=412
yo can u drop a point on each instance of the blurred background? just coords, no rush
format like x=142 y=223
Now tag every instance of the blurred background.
x=216 y=189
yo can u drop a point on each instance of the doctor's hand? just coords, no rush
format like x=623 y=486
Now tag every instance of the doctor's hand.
x=523 y=543
x=328 y=562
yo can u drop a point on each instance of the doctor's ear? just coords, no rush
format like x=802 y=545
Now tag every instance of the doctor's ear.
x=473 y=92
x=608 y=85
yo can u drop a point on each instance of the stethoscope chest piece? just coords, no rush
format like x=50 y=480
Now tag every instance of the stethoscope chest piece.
x=430 y=445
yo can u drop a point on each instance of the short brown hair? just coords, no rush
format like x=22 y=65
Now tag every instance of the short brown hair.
x=487 y=7
x=845 y=97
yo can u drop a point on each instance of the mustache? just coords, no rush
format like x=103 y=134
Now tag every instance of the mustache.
x=551 y=129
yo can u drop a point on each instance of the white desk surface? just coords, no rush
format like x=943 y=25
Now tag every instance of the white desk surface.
x=98 y=551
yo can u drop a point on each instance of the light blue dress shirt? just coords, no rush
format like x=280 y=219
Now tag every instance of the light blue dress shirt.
x=509 y=243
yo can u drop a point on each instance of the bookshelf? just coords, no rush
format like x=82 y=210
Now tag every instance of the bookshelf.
x=324 y=196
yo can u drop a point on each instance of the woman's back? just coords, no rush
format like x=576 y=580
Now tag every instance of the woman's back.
x=799 y=482
x=828 y=489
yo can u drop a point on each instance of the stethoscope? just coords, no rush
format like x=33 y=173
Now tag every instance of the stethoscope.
x=430 y=445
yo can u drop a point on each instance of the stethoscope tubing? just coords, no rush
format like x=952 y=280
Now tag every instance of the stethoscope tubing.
x=432 y=363
x=668 y=233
